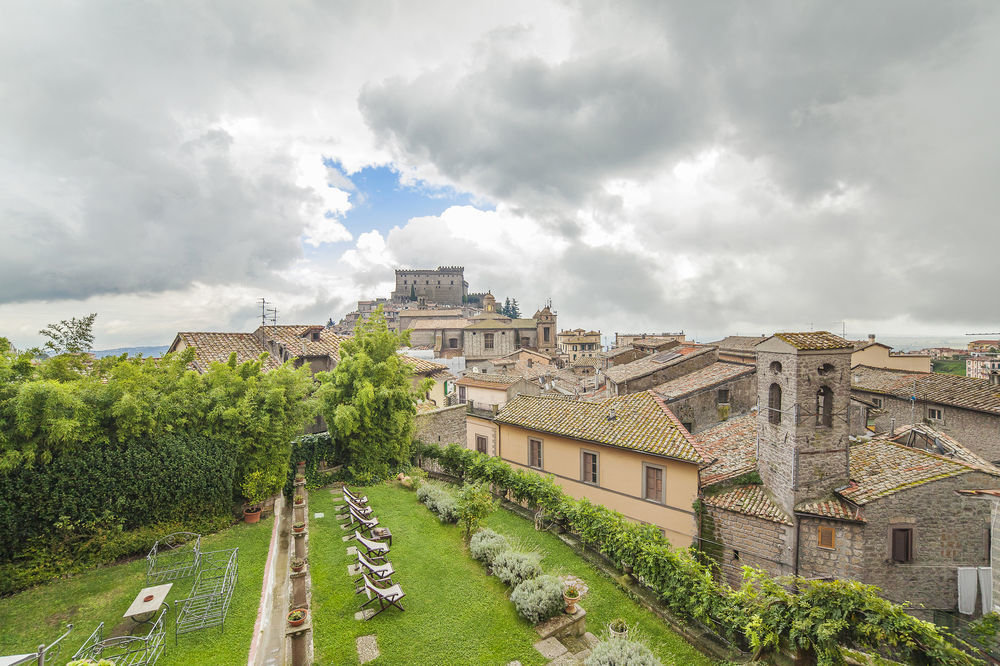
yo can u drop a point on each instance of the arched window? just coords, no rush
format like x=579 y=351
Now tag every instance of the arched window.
x=774 y=404
x=824 y=406
x=775 y=367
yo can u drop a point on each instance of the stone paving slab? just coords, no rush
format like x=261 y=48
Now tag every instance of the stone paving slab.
x=514 y=663
x=582 y=656
x=574 y=644
x=550 y=648
x=352 y=550
x=347 y=538
x=565 y=659
x=345 y=527
x=591 y=640
x=364 y=615
x=367 y=648
x=353 y=569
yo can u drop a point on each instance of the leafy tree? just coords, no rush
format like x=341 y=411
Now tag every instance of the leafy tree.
x=73 y=336
x=475 y=503
x=368 y=401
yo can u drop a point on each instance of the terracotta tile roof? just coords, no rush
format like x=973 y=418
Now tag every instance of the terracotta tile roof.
x=617 y=351
x=593 y=361
x=967 y=392
x=815 y=340
x=292 y=338
x=750 y=501
x=709 y=376
x=640 y=423
x=216 y=348
x=923 y=436
x=442 y=313
x=650 y=364
x=880 y=468
x=490 y=380
x=831 y=507
x=738 y=342
x=433 y=324
x=422 y=365
x=732 y=445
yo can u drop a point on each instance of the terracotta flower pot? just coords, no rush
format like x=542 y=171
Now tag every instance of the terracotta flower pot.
x=251 y=516
x=570 y=603
x=301 y=620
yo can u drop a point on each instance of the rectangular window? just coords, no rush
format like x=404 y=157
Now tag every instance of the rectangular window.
x=902 y=544
x=723 y=397
x=453 y=343
x=481 y=443
x=461 y=394
x=535 y=453
x=688 y=425
x=935 y=414
x=827 y=537
x=652 y=483
x=877 y=402
x=487 y=340
x=588 y=467
x=545 y=334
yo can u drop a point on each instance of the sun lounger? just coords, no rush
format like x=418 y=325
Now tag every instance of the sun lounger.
x=375 y=571
x=387 y=596
x=373 y=549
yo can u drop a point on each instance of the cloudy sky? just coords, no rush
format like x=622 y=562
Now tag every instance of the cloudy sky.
x=712 y=167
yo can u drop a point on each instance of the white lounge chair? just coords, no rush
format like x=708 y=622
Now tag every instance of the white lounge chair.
x=374 y=549
x=380 y=571
x=387 y=596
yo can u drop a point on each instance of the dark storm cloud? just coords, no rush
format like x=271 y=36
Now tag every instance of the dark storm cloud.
x=888 y=105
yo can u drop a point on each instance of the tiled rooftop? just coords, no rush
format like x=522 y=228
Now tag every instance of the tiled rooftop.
x=967 y=392
x=640 y=422
x=880 y=468
x=738 y=342
x=709 y=376
x=751 y=501
x=291 y=337
x=436 y=323
x=496 y=380
x=831 y=507
x=216 y=348
x=733 y=446
x=650 y=364
x=617 y=351
x=422 y=366
x=815 y=340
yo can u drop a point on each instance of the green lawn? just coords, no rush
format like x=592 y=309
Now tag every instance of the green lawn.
x=949 y=366
x=39 y=615
x=455 y=613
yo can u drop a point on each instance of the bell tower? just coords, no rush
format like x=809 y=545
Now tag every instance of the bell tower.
x=803 y=395
x=545 y=325
x=489 y=303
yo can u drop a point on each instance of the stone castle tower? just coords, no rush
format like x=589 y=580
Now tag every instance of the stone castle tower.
x=803 y=395
x=545 y=323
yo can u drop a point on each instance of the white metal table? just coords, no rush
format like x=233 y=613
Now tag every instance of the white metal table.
x=157 y=595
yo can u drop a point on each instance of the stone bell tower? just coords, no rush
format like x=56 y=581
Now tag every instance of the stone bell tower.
x=545 y=325
x=803 y=395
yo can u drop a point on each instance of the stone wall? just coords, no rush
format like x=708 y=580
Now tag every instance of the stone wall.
x=441 y=426
x=978 y=431
x=665 y=374
x=846 y=558
x=949 y=531
x=504 y=342
x=747 y=541
x=702 y=410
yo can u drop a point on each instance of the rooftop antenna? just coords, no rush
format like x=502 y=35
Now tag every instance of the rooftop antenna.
x=274 y=316
x=263 y=312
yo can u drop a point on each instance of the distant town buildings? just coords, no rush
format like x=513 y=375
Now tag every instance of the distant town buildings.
x=444 y=285
x=579 y=343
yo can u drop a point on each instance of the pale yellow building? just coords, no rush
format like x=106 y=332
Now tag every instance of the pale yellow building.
x=578 y=343
x=443 y=379
x=628 y=453
x=877 y=355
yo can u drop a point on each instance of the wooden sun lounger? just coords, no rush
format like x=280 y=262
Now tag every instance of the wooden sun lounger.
x=382 y=572
x=358 y=499
x=362 y=523
x=356 y=508
x=377 y=547
x=388 y=596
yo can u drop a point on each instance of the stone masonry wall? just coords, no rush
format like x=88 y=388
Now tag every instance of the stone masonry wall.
x=702 y=410
x=445 y=286
x=442 y=426
x=667 y=373
x=845 y=560
x=749 y=541
x=949 y=531
x=978 y=431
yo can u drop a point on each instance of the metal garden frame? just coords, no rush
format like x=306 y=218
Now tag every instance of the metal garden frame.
x=209 y=600
x=174 y=556
x=127 y=650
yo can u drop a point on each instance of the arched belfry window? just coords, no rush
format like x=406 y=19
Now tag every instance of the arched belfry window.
x=824 y=406
x=774 y=404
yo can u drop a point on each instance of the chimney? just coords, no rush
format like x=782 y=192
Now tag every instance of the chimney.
x=871 y=338
x=892 y=427
x=994 y=377
x=611 y=414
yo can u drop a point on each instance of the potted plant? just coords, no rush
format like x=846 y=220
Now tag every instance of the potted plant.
x=571 y=595
x=618 y=628
x=297 y=617
x=256 y=487
x=297 y=564
x=299 y=499
x=298 y=527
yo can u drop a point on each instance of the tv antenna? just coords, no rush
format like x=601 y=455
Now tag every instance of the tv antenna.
x=267 y=313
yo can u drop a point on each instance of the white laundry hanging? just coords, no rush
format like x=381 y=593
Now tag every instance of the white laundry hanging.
x=986 y=587
x=968 y=578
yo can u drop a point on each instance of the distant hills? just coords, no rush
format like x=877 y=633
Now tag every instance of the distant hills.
x=132 y=351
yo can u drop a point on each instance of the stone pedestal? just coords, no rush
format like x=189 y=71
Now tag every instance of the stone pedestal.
x=564 y=625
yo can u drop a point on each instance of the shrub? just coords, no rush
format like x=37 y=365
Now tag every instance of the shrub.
x=474 y=503
x=514 y=568
x=487 y=544
x=621 y=652
x=440 y=501
x=538 y=599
